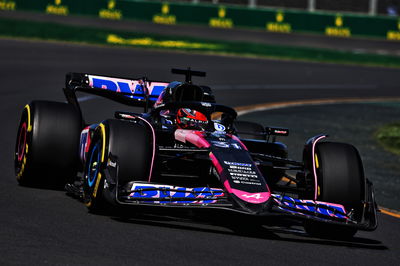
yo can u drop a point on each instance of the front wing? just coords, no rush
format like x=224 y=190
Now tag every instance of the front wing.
x=151 y=194
x=143 y=193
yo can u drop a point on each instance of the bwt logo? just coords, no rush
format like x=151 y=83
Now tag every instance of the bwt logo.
x=125 y=85
x=178 y=193
x=117 y=86
x=323 y=208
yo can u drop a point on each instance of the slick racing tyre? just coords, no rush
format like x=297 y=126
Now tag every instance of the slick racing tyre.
x=128 y=142
x=249 y=130
x=340 y=180
x=46 y=149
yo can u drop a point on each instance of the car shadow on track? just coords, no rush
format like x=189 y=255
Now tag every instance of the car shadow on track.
x=222 y=222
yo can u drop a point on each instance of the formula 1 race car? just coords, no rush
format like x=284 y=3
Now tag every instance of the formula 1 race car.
x=185 y=150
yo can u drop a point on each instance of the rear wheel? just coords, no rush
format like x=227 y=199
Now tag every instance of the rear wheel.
x=46 y=150
x=340 y=180
x=128 y=142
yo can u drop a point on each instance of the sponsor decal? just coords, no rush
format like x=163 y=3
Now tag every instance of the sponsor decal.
x=219 y=127
x=394 y=35
x=111 y=12
x=318 y=207
x=126 y=116
x=164 y=17
x=221 y=21
x=111 y=163
x=236 y=146
x=243 y=173
x=205 y=104
x=280 y=132
x=238 y=164
x=126 y=86
x=226 y=145
x=105 y=184
x=167 y=194
x=220 y=144
x=279 y=25
x=338 y=30
x=7 y=5
x=57 y=8
x=254 y=195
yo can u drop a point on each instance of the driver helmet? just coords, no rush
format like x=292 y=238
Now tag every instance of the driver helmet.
x=191 y=119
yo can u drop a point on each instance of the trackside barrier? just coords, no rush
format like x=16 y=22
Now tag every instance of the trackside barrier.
x=273 y=20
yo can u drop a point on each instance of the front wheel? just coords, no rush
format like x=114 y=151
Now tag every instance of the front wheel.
x=131 y=145
x=341 y=180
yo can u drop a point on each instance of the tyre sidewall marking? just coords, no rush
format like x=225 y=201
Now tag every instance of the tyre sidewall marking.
x=98 y=176
x=96 y=187
x=29 y=127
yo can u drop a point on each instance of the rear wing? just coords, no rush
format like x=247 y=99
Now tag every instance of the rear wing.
x=134 y=92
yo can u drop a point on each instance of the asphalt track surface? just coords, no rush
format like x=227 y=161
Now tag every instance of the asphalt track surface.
x=39 y=227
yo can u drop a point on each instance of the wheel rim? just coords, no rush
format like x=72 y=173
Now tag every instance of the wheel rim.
x=21 y=149
x=21 y=142
x=94 y=164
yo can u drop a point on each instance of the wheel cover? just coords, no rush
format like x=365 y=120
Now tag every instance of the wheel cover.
x=94 y=164
x=21 y=142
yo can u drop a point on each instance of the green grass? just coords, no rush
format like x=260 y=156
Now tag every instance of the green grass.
x=58 y=32
x=389 y=137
